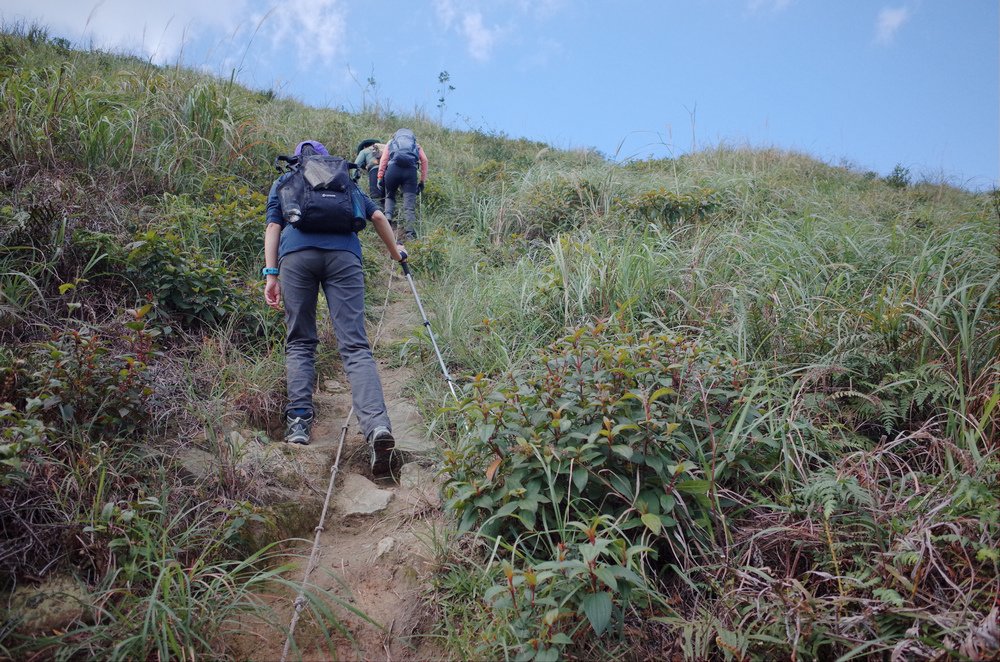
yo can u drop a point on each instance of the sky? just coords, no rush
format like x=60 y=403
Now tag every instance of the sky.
x=864 y=83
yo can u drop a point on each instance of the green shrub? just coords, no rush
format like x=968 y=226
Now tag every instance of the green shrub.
x=669 y=208
x=607 y=423
x=92 y=379
x=199 y=290
x=434 y=198
x=431 y=253
x=553 y=205
x=595 y=466
x=899 y=177
x=490 y=172
x=19 y=433
x=590 y=583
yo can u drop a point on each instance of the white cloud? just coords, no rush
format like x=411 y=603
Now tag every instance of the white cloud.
x=157 y=30
x=888 y=23
x=467 y=19
x=316 y=28
x=446 y=12
x=480 y=39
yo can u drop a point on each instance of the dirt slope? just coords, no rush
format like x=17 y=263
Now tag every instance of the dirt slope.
x=379 y=563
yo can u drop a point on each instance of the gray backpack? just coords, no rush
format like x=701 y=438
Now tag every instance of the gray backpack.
x=403 y=149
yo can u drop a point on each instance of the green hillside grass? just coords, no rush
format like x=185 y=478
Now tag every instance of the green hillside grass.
x=737 y=404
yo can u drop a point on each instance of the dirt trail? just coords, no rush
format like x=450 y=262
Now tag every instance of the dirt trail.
x=379 y=563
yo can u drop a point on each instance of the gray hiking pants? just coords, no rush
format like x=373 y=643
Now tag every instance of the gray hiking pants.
x=405 y=178
x=339 y=273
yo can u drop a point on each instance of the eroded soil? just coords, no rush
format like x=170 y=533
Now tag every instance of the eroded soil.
x=378 y=563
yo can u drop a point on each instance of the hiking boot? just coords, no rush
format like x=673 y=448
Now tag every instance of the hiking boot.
x=298 y=429
x=381 y=443
x=409 y=235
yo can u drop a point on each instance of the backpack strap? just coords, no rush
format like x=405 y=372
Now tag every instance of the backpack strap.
x=284 y=163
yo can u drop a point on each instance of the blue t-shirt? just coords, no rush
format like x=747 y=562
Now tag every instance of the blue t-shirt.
x=296 y=240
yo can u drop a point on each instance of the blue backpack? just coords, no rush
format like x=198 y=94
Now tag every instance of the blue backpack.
x=403 y=149
x=319 y=196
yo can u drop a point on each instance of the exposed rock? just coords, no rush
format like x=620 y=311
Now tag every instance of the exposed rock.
x=408 y=428
x=384 y=547
x=196 y=463
x=412 y=475
x=359 y=496
x=53 y=605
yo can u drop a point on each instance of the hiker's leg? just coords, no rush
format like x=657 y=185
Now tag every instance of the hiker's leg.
x=344 y=286
x=409 y=186
x=377 y=197
x=299 y=290
x=391 y=182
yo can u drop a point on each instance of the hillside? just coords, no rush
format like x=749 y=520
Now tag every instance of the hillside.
x=740 y=404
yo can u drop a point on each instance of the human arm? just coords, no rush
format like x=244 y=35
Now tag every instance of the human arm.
x=423 y=163
x=386 y=234
x=383 y=163
x=272 y=288
x=272 y=238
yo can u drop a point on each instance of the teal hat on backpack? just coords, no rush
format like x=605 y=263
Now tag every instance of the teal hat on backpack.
x=367 y=142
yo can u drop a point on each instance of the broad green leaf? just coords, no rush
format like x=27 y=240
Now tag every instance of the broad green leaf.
x=597 y=607
x=694 y=486
x=660 y=392
x=623 y=450
x=468 y=519
x=618 y=429
x=506 y=509
x=652 y=522
x=580 y=476
x=547 y=655
x=607 y=578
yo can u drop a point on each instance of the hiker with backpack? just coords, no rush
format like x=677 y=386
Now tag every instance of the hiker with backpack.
x=403 y=166
x=314 y=212
x=367 y=160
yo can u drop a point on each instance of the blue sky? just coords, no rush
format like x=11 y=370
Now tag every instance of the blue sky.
x=869 y=83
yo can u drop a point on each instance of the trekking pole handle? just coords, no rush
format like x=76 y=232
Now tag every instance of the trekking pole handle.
x=405 y=267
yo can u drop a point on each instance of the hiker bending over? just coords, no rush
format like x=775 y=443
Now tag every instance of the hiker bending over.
x=327 y=256
x=369 y=153
x=403 y=166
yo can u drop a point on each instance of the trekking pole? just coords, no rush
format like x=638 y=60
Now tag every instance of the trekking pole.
x=427 y=324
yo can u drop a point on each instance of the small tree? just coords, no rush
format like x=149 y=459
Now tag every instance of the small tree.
x=446 y=88
x=899 y=177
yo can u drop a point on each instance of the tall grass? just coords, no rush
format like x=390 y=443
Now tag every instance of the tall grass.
x=869 y=315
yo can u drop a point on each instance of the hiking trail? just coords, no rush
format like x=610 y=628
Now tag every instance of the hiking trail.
x=376 y=549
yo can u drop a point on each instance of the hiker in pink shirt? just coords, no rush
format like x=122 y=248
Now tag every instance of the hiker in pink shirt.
x=403 y=166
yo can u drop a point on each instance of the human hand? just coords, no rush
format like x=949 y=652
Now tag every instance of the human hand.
x=402 y=252
x=272 y=292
